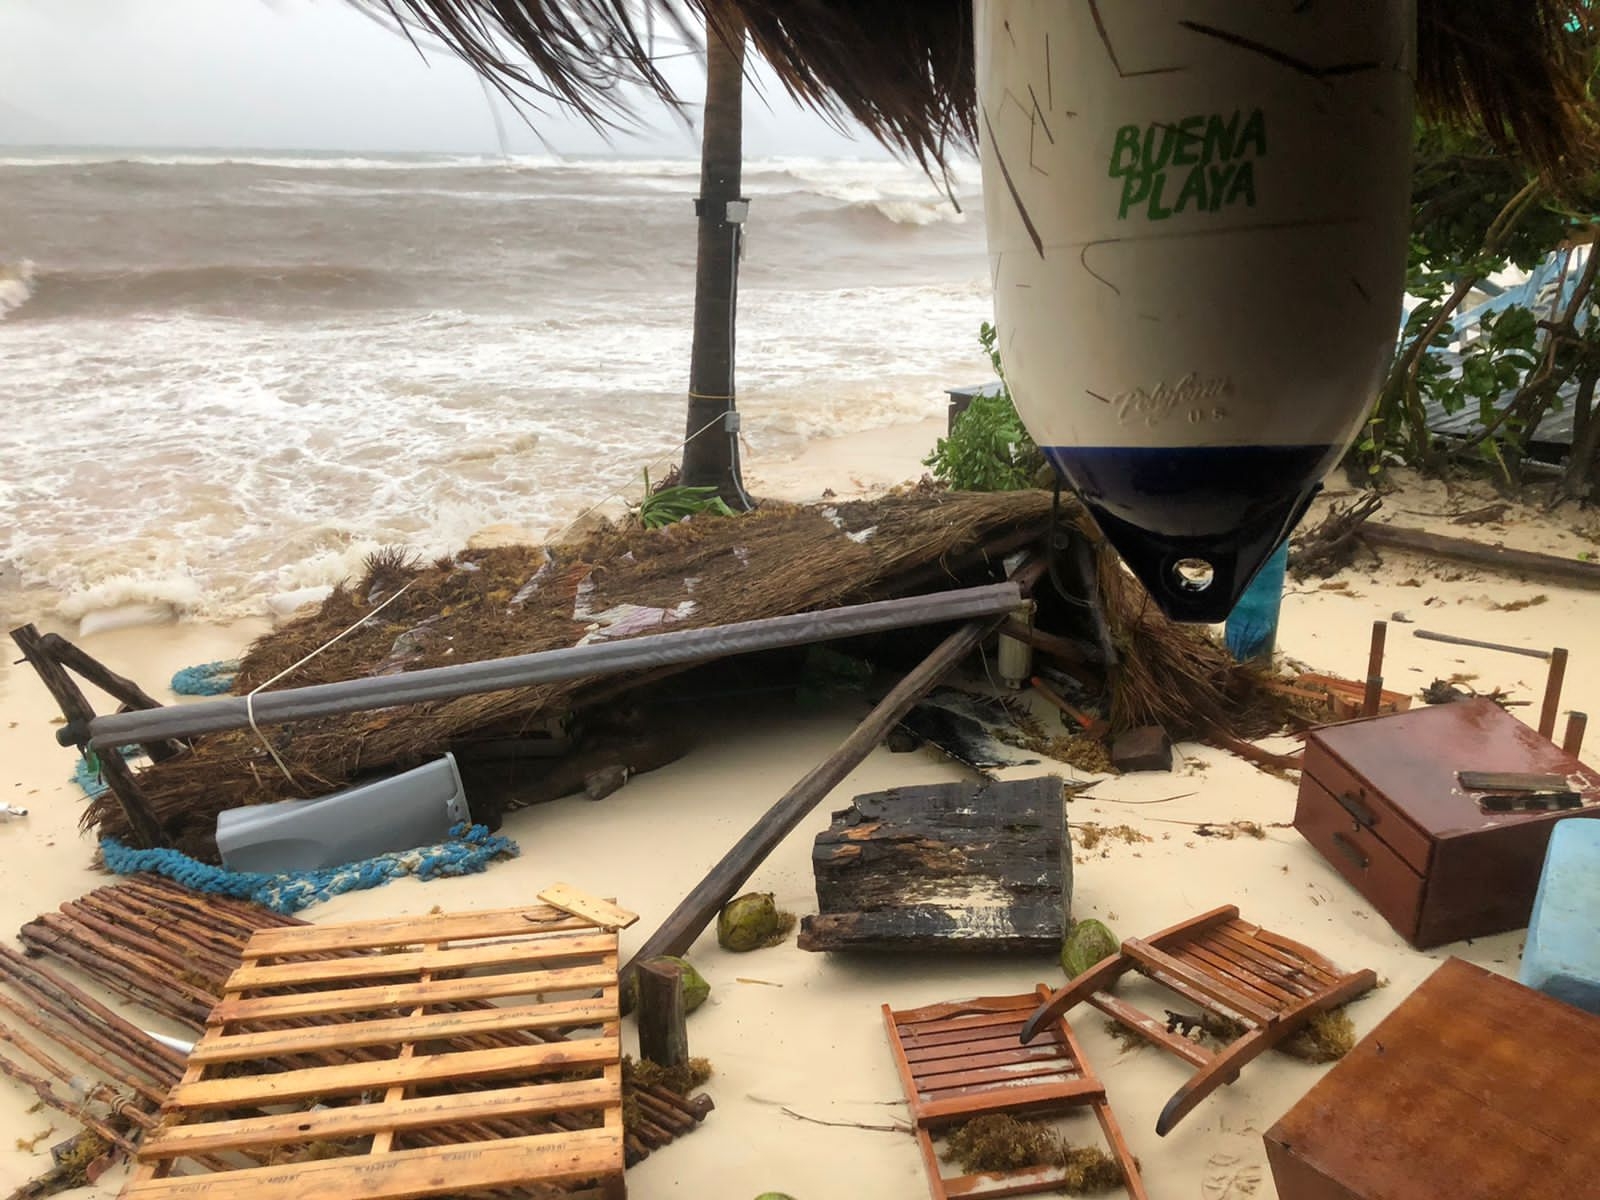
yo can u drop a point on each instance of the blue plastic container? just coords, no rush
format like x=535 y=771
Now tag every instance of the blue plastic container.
x=1252 y=627
x=1562 y=954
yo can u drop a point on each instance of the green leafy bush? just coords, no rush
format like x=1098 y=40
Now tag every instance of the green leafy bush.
x=668 y=505
x=988 y=449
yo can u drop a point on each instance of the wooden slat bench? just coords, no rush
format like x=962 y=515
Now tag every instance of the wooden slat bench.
x=409 y=1066
x=963 y=1060
x=1269 y=984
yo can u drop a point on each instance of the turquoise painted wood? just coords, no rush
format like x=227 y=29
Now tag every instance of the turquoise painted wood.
x=1562 y=956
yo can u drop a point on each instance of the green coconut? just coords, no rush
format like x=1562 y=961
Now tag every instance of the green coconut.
x=752 y=921
x=695 y=988
x=1087 y=943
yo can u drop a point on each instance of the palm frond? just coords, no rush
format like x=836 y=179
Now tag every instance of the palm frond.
x=905 y=68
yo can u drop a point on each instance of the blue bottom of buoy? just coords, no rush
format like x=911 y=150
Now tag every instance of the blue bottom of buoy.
x=1195 y=524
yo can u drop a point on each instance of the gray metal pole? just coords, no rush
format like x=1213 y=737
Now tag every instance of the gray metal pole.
x=574 y=662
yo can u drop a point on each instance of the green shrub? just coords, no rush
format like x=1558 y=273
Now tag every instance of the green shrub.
x=988 y=449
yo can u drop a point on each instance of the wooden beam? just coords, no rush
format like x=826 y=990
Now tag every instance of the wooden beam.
x=1572 y=741
x=702 y=904
x=1571 y=571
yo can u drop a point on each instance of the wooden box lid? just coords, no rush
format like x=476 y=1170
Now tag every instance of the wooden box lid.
x=1475 y=1088
x=1412 y=759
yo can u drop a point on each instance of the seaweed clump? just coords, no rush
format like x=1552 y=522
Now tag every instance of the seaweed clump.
x=1326 y=1038
x=998 y=1142
x=682 y=1079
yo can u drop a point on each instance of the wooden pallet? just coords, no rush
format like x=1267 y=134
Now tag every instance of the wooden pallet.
x=964 y=1059
x=440 y=1026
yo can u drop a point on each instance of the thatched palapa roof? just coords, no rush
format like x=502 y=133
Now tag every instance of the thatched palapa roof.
x=904 y=68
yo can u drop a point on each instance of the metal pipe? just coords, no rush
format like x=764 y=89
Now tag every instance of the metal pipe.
x=548 y=666
x=1461 y=641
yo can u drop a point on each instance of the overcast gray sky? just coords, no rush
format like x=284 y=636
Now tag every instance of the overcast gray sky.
x=300 y=74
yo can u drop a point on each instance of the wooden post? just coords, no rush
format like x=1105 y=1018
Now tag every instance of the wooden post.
x=1577 y=723
x=701 y=905
x=75 y=707
x=1374 y=694
x=118 y=687
x=663 y=1039
x=1552 y=692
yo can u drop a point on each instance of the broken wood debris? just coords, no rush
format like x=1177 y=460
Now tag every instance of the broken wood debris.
x=706 y=899
x=944 y=867
x=171 y=950
x=1266 y=983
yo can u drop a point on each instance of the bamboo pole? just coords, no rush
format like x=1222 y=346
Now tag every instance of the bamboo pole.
x=547 y=666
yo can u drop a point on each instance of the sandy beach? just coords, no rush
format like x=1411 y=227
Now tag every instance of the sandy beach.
x=796 y=1038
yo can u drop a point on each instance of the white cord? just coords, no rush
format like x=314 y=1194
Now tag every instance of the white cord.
x=250 y=696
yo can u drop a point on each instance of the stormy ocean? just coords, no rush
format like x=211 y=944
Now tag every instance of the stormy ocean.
x=228 y=378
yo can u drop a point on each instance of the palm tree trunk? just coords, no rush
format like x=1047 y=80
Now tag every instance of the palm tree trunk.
x=710 y=455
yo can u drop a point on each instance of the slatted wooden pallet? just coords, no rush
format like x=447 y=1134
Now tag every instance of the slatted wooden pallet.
x=429 y=1065
x=1269 y=984
x=964 y=1059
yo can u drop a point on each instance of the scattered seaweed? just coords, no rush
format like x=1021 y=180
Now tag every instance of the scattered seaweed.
x=998 y=1142
x=28 y=1144
x=1091 y=833
x=1519 y=605
x=1076 y=750
x=1326 y=1038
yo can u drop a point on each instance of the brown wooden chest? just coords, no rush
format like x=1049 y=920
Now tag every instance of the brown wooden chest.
x=1382 y=801
x=1475 y=1088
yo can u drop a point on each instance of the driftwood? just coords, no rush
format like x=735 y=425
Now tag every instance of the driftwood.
x=702 y=904
x=1327 y=548
x=1570 y=571
x=944 y=867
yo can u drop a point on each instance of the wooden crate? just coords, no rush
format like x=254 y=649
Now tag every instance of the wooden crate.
x=421 y=1037
x=1381 y=800
x=1474 y=1088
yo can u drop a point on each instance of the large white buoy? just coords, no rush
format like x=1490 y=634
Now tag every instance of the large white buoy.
x=1197 y=218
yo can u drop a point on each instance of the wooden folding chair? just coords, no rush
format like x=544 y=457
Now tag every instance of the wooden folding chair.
x=1267 y=983
x=962 y=1060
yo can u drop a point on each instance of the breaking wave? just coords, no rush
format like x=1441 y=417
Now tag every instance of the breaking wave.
x=16 y=286
x=219 y=289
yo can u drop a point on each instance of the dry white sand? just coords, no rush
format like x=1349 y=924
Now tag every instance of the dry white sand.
x=796 y=1035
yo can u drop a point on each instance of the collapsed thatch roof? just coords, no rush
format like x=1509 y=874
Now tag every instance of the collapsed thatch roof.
x=520 y=599
x=904 y=68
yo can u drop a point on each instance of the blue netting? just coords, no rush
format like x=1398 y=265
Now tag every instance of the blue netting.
x=208 y=679
x=469 y=850
x=88 y=777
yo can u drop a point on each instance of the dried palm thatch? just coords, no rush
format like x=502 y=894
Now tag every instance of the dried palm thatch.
x=1177 y=676
x=517 y=600
x=904 y=68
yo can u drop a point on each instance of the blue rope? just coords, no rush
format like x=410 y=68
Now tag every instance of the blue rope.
x=471 y=849
x=207 y=679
